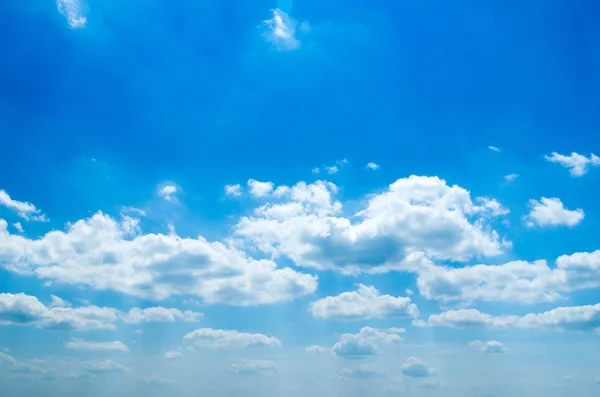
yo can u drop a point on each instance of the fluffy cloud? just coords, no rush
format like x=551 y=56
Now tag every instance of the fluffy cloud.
x=552 y=212
x=19 y=227
x=577 y=164
x=373 y=166
x=220 y=338
x=518 y=281
x=159 y=315
x=168 y=192
x=573 y=318
x=488 y=347
x=173 y=355
x=80 y=344
x=102 y=367
x=361 y=372
x=280 y=30
x=416 y=368
x=364 y=304
x=106 y=254
x=417 y=218
x=23 y=209
x=366 y=343
x=233 y=190
x=314 y=349
x=260 y=189
x=511 y=178
x=253 y=367
x=73 y=10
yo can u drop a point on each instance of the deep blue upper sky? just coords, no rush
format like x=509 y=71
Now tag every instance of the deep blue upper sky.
x=103 y=113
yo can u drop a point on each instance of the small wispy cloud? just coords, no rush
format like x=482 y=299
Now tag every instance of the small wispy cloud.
x=494 y=148
x=73 y=10
x=281 y=31
x=510 y=178
x=373 y=166
x=23 y=209
x=577 y=164
x=168 y=192
x=233 y=190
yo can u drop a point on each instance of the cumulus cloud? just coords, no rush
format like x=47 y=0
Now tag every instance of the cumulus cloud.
x=73 y=10
x=102 y=253
x=170 y=355
x=314 y=349
x=373 y=166
x=416 y=368
x=415 y=219
x=361 y=372
x=221 y=338
x=233 y=190
x=577 y=164
x=102 y=367
x=254 y=367
x=159 y=314
x=168 y=192
x=364 y=304
x=517 y=281
x=552 y=212
x=366 y=342
x=260 y=189
x=280 y=30
x=80 y=344
x=23 y=209
x=570 y=318
x=491 y=346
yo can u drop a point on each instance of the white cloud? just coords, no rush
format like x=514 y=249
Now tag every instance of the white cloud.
x=408 y=292
x=363 y=304
x=314 y=349
x=395 y=330
x=19 y=227
x=253 y=367
x=574 y=318
x=315 y=170
x=551 y=212
x=159 y=314
x=494 y=148
x=233 y=190
x=139 y=332
x=168 y=192
x=366 y=342
x=416 y=368
x=260 y=189
x=7 y=358
x=23 y=209
x=80 y=344
x=332 y=169
x=577 y=164
x=73 y=10
x=102 y=367
x=361 y=372
x=511 y=178
x=417 y=218
x=101 y=253
x=173 y=355
x=373 y=166
x=281 y=31
x=28 y=369
x=488 y=347
x=58 y=302
x=220 y=338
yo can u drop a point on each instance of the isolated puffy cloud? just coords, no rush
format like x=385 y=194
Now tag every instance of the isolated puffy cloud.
x=361 y=372
x=280 y=30
x=80 y=344
x=314 y=349
x=491 y=346
x=254 y=367
x=511 y=177
x=517 y=281
x=106 y=254
x=23 y=209
x=73 y=10
x=159 y=315
x=221 y=338
x=173 y=355
x=102 y=367
x=577 y=164
x=233 y=190
x=363 y=304
x=19 y=227
x=168 y=192
x=366 y=342
x=260 y=189
x=570 y=318
x=373 y=166
x=417 y=218
x=416 y=368
x=552 y=212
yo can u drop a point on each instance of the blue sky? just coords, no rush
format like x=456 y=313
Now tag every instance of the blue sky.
x=299 y=197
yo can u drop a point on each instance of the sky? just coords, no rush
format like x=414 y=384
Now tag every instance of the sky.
x=299 y=197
